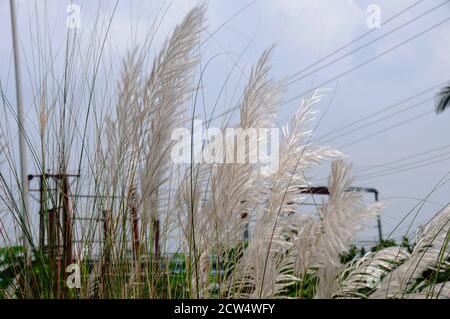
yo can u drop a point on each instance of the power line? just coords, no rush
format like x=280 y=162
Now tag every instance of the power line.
x=379 y=120
x=408 y=168
x=385 y=164
x=387 y=129
x=425 y=160
x=339 y=49
x=434 y=26
x=355 y=40
x=384 y=118
x=387 y=108
x=368 y=43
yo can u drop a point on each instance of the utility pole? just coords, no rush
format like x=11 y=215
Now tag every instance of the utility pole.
x=22 y=145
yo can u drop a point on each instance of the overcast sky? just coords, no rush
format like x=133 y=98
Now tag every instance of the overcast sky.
x=304 y=31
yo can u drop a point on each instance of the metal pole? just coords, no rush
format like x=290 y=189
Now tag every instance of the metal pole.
x=380 y=233
x=41 y=213
x=22 y=149
x=67 y=225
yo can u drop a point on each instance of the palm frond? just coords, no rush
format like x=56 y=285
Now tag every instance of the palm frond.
x=443 y=99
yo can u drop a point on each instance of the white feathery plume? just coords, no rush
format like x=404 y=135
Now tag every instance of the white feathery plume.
x=231 y=188
x=44 y=110
x=118 y=160
x=261 y=100
x=233 y=185
x=164 y=97
x=204 y=267
x=343 y=216
x=305 y=229
x=362 y=275
x=268 y=260
x=123 y=132
x=189 y=204
x=230 y=184
x=195 y=226
x=297 y=156
x=319 y=242
x=437 y=291
x=264 y=270
x=430 y=253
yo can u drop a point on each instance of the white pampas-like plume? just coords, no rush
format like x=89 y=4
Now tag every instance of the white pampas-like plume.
x=122 y=133
x=164 y=95
x=438 y=291
x=233 y=186
x=343 y=216
x=341 y=219
x=265 y=268
x=117 y=163
x=189 y=205
x=362 y=275
x=230 y=190
x=320 y=242
x=267 y=261
x=262 y=96
x=44 y=110
x=432 y=246
x=297 y=156
x=229 y=185
x=204 y=267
